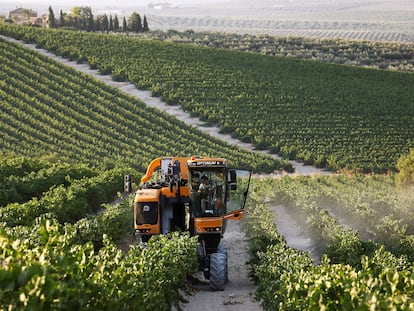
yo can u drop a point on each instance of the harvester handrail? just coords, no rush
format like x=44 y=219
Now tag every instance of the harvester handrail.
x=156 y=163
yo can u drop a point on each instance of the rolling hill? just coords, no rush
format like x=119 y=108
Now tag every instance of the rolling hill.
x=49 y=110
x=327 y=115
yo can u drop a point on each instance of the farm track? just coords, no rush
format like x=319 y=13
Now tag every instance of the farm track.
x=296 y=231
x=239 y=292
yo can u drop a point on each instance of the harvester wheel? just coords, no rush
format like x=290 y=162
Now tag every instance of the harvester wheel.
x=222 y=248
x=218 y=263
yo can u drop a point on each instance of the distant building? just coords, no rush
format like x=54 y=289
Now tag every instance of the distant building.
x=43 y=21
x=23 y=16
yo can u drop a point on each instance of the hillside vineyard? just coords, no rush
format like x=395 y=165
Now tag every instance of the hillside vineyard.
x=354 y=273
x=67 y=141
x=48 y=109
x=327 y=115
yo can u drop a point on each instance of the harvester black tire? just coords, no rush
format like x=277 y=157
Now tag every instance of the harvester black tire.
x=218 y=263
x=222 y=248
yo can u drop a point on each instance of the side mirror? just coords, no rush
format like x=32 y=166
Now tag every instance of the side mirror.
x=233 y=180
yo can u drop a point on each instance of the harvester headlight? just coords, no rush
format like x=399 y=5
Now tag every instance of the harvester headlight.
x=213 y=229
x=142 y=230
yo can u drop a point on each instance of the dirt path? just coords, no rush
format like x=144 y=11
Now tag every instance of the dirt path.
x=296 y=231
x=239 y=292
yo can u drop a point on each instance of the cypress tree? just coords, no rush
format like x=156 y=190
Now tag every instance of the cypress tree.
x=111 y=23
x=116 y=23
x=145 y=26
x=124 y=25
x=52 y=21
x=139 y=24
x=135 y=23
x=105 y=23
x=61 y=19
x=90 y=26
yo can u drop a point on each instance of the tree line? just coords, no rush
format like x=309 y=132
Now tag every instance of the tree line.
x=82 y=18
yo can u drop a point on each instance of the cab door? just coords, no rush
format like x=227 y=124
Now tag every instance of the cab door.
x=237 y=190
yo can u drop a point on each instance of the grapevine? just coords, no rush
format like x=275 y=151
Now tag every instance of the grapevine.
x=333 y=116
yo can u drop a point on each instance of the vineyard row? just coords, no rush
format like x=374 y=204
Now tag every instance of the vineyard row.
x=50 y=109
x=58 y=250
x=326 y=115
x=353 y=274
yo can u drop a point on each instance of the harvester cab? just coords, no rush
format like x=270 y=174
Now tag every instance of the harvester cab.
x=194 y=194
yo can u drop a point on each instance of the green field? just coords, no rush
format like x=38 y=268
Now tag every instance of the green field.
x=331 y=116
x=366 y=249
x=67 y=140
x=60 y=225
x=49 y=110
